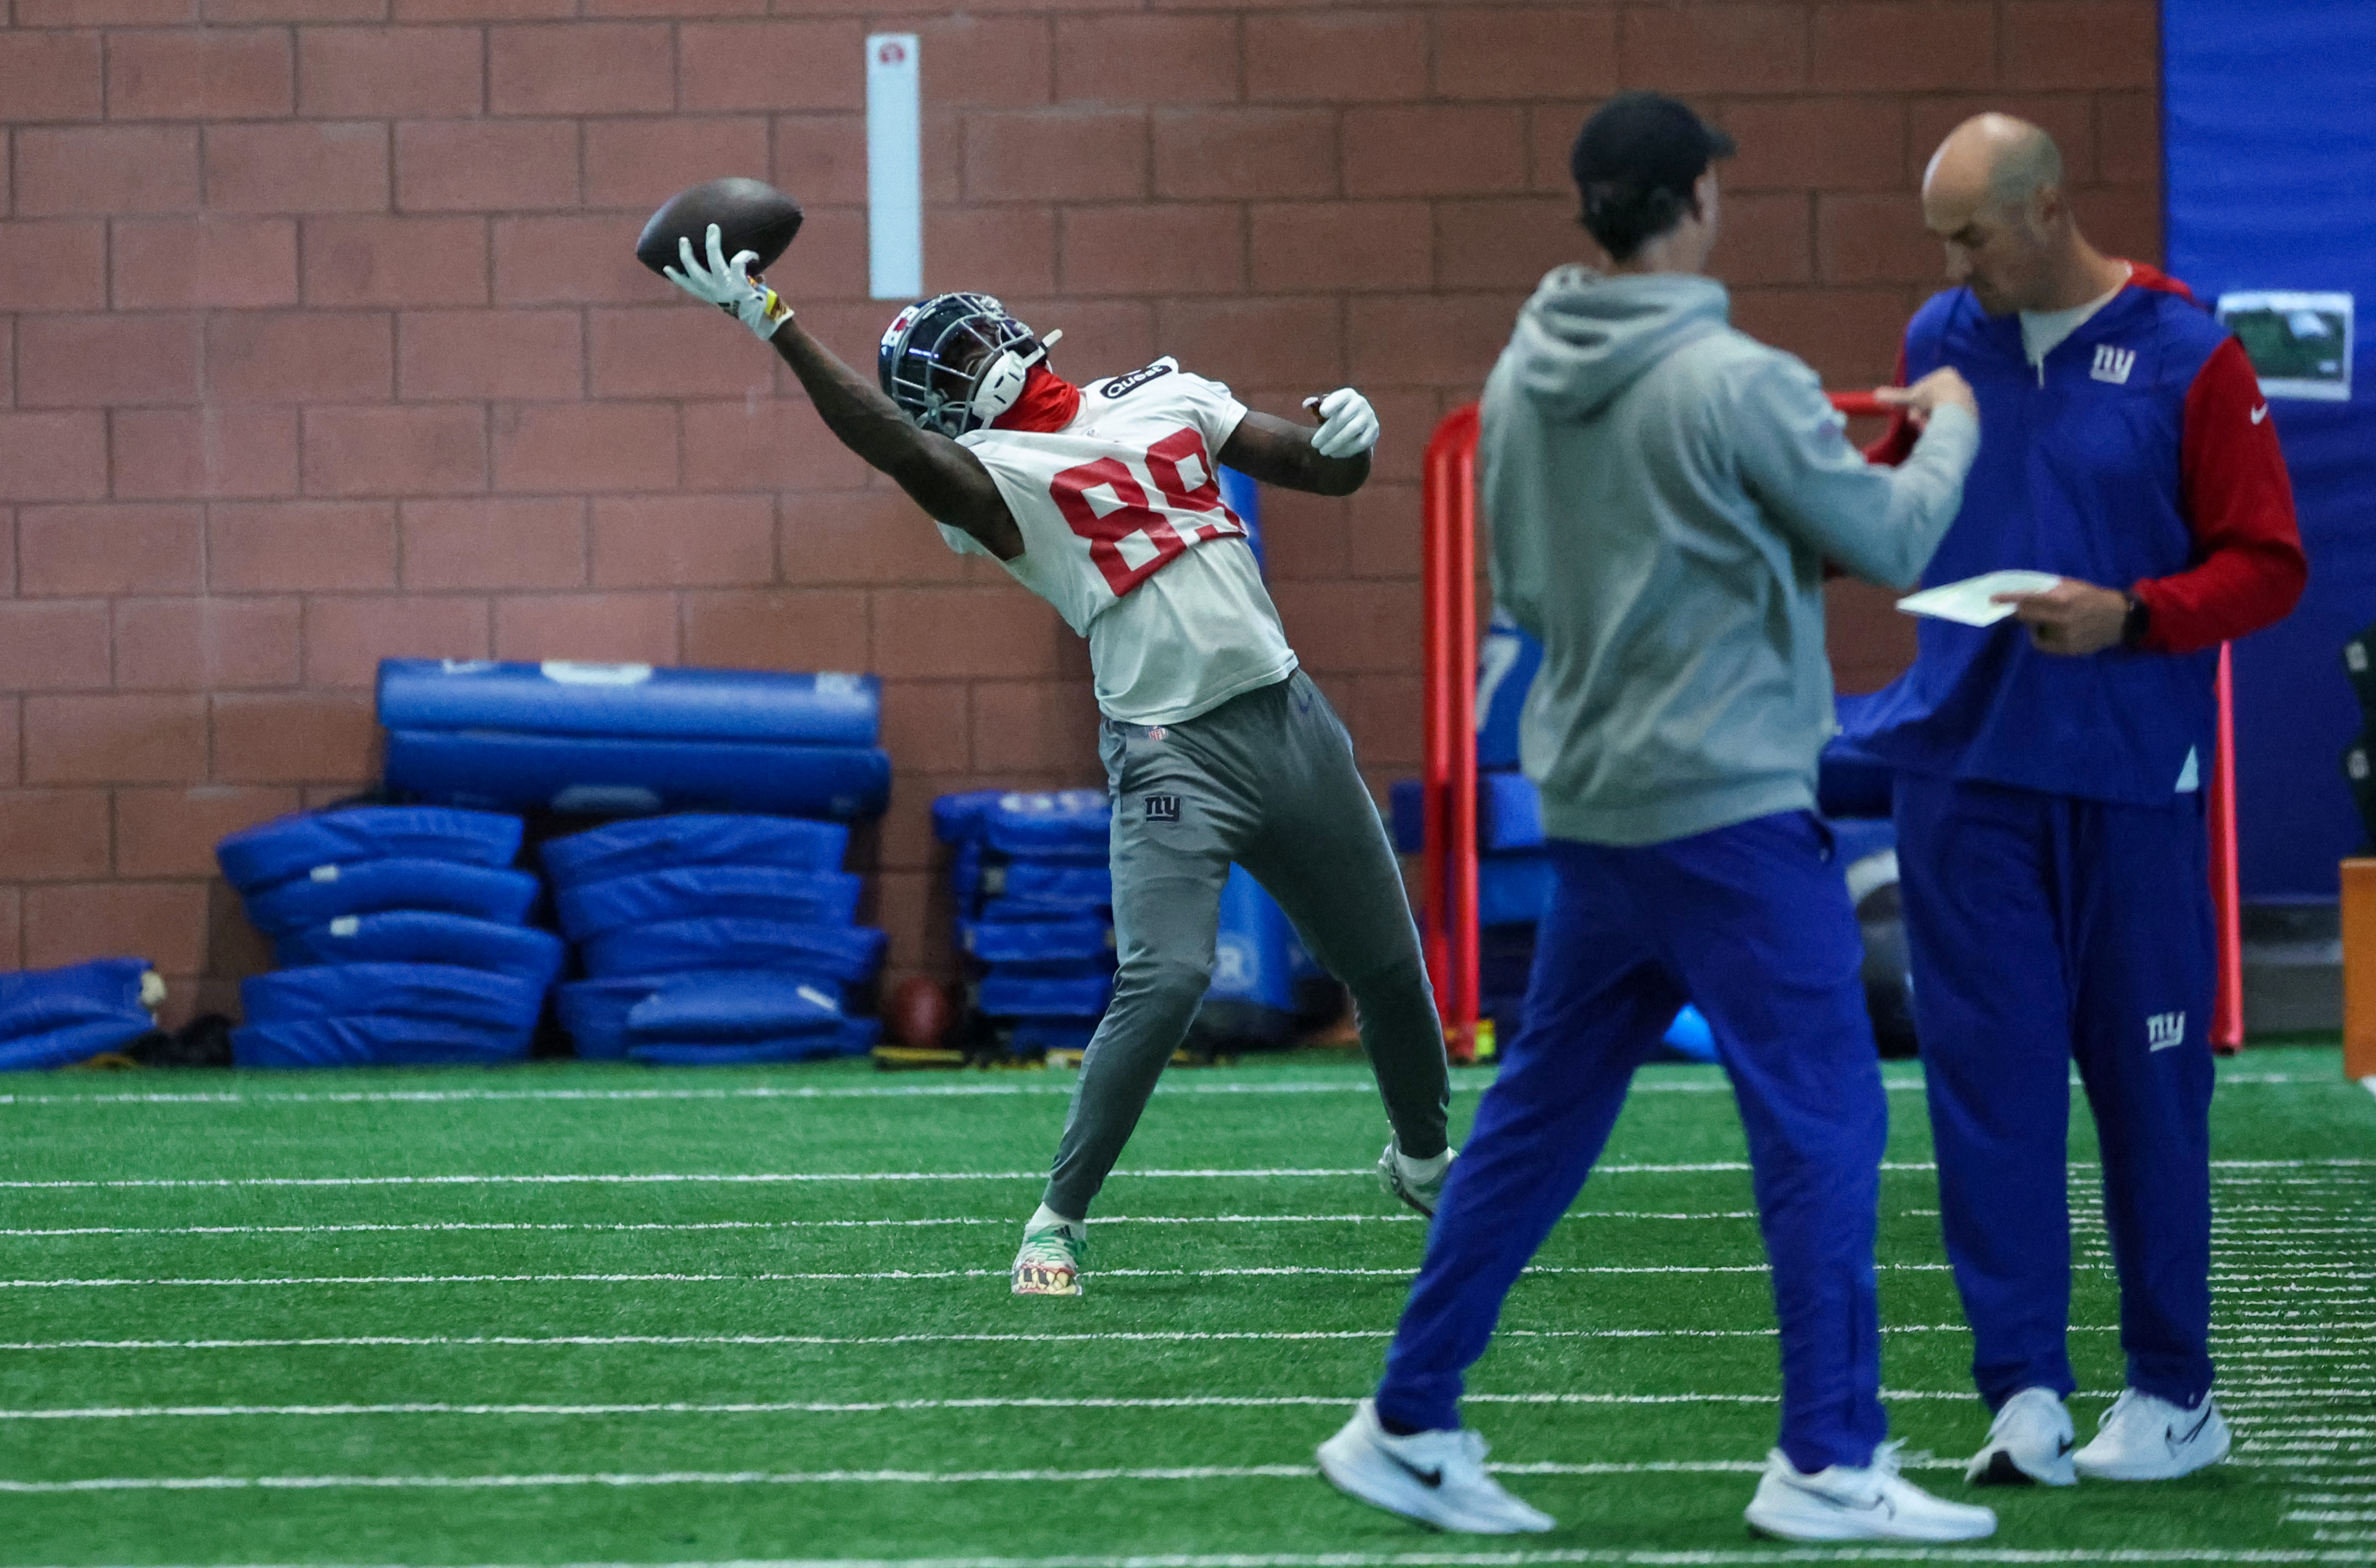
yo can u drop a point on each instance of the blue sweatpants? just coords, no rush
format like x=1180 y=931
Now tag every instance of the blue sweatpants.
x=1751 y=922
x=2044 y=929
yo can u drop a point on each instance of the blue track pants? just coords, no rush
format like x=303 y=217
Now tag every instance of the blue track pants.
x=2045 y=929
x=1750 y=923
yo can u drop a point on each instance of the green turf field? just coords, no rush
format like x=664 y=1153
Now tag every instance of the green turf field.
x=565 y=1314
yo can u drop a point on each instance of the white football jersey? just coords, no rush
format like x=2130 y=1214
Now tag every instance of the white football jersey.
x=1124 y=532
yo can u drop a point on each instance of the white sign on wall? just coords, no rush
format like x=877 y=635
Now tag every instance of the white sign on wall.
x=895 y=168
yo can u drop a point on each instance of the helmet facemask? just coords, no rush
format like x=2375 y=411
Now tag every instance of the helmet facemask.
x=955 y=363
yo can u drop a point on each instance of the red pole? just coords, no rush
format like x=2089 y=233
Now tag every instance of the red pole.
x=2227 y=883
x=1448 y=556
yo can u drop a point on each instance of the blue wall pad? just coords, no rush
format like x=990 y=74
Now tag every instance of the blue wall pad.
x=1038 y=885
x=328 y=892
x=1506 y=663
x=1854 y=838
x=623 y=700
x=36 y=1001
x=368 y=1043
x=1016 y=997
x=425 y=936
x=65 y=1046
x=2269 y=144
x=1509 y=813
x=797 y=1048
x=695 y=838
x=1050 y=1034
x=257 y=858
x=512 y=772
x=1513 y=889
x=1038 y=942
x=732 y=1008
x=463 y=999
x=1689 y=1034
x=847 y=953
x=799 y=898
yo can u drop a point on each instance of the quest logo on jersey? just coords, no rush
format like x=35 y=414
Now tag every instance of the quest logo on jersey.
x=1123 y=385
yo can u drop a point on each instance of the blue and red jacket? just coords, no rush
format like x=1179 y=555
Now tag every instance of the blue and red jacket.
x=2140 y=456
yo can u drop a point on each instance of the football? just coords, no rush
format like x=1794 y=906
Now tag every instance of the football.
x=751 y=215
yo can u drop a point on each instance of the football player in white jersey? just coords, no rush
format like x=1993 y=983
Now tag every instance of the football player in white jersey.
x=1104 y=500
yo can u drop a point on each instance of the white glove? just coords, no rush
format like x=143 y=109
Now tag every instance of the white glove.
x=1348 y=426
x=729 y=286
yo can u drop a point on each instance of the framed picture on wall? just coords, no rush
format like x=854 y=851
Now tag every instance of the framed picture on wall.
x=2299 y=343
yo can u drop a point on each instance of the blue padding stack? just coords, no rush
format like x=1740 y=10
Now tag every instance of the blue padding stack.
x=57 y=1017
x=1034 y=900
x=402 y=936
x=626 y=738
x=712 y=940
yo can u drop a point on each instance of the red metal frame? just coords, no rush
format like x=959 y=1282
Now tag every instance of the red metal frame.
x=1448 y=566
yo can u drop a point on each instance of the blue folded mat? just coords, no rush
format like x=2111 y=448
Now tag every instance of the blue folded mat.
x=1037 y=942
x=799 y=898
x=1506 y=666
x=618 y=701
x=695 y=838
x=369 y=1042
x=848 y=953
x=460 y=999
x=734 y=1007
x=485 y=769
x=39 y=1002
x=1009 y=995
x=594 y=1013
x=257 y=858
x=1072 y=824
x=1037 y=885
x=425 y=936
x=958 y=818
x=326 y=892
x=70 y=1043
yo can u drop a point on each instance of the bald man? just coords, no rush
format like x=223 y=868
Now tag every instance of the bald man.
x=2048 y=795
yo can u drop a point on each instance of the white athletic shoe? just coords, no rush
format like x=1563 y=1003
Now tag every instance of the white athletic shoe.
x=2145 y=1439
x=1873 y=1503
x=1437 y=1477
x=1048 y=1263
x=2030 y=1440
x=1419 y=1182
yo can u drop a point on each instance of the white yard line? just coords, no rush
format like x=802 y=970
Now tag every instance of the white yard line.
x=1539 y=1557
x=438 y=1225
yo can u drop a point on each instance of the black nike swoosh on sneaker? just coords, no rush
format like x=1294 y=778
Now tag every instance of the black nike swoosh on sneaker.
x=1428 y=1478
x=2063 y=1445
x=2177 y=1442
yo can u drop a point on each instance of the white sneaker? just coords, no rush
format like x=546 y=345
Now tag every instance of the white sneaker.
x=2145 y=1439
x=1840 y=1503
x=2030 y=1440
x=1419 y=1182
x=1437 y=1477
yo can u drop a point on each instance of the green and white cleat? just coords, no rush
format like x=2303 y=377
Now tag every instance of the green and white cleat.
x=1419 y=1182
x=1048 y=1263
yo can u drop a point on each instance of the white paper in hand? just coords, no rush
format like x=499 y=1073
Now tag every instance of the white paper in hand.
x=1969 y=601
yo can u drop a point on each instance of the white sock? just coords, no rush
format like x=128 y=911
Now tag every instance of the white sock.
x=1044 y=1215
x=1422 y=1170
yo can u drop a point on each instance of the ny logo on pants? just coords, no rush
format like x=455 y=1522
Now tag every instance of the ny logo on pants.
x=2164 y=1031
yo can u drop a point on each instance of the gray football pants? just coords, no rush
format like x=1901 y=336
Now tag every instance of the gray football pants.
x=1268 y=779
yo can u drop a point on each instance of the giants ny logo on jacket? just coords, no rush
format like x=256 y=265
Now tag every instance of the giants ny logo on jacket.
x=2137 y=456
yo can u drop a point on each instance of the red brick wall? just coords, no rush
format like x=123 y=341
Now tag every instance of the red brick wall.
x=323 y=342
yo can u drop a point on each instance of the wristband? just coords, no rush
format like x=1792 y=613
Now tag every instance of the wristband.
x=2137 y=625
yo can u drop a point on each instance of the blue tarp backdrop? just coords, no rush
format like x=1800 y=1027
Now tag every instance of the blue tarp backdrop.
x=2269 y=114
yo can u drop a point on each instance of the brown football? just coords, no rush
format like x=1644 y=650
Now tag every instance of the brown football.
x=920 y=1013
x=751 y=215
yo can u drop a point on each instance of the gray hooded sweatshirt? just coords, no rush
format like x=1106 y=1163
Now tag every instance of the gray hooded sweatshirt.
x=1663 y=492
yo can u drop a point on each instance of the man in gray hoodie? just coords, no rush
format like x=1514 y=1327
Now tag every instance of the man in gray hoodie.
x=1663 y=494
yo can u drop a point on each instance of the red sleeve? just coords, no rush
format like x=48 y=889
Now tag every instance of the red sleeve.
x=2249 y=566
x=1896 y=443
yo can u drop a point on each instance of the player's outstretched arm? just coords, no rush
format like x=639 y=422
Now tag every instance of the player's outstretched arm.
x=941 y=477
x=1331 y=461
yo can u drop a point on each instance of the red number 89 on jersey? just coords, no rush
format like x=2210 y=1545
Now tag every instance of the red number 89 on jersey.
x=1130 y=539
